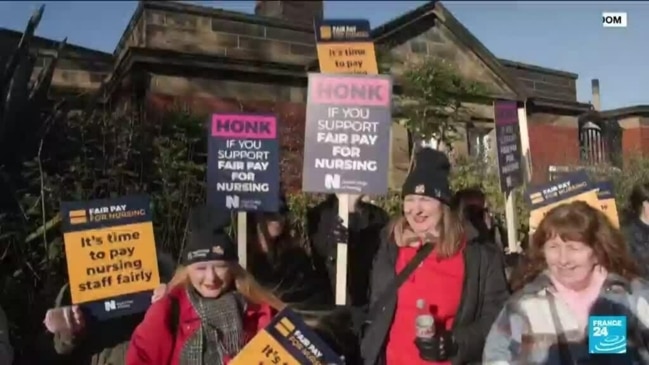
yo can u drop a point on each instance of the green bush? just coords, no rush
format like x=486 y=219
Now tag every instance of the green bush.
x=635 y=171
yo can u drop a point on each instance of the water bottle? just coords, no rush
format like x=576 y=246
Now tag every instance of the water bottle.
x=425 y=322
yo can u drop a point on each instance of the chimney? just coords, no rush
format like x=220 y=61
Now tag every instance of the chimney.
x=596 y=100
x=293 y=11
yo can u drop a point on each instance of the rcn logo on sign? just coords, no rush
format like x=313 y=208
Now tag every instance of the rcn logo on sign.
x=110 y=305
x=332 y=181
x=232 y=201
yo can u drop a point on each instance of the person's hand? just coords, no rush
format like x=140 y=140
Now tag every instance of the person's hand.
x=440 y=347
x=78 y=319
x=340 y=232
x=159 y=292
x=64 y=319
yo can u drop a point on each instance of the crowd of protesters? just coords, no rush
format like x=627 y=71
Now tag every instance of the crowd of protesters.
x=445 y=250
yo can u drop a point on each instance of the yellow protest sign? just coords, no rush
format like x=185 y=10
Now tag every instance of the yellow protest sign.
x=344 y=46
x=110 y=252
x=572 y=187
x=287 y=340
x=607 y=203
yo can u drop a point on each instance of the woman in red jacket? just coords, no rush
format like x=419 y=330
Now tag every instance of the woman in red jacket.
x=461 y=282
x=213 y=307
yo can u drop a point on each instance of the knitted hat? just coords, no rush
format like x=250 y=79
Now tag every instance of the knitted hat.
x=207 y=239
x=429 y=176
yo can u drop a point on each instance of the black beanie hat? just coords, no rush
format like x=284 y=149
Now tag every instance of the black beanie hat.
x=207 y=239
x=429 y=176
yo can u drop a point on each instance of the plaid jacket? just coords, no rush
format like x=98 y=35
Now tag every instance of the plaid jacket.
x=535 y=328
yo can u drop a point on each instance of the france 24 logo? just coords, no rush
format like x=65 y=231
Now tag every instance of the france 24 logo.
x=607 y=335
x=614 y=20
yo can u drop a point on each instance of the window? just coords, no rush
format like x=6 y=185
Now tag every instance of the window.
x=479 y=142
x=418 y=47
x=43 y=61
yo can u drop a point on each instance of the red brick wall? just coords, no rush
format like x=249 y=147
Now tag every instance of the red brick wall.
x=635 y=141
x=291 y=117
x=552 y=145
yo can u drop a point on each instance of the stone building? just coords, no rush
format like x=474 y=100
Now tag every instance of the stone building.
x=223 y=61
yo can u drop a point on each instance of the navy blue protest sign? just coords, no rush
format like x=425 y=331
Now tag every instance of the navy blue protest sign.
x=508 y=140
x=111 y=255
x=571 y=187
x=243 y=162
x=287 y=340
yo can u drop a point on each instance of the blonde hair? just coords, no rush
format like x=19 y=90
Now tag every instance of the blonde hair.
x=244 y=282
x=450 y=228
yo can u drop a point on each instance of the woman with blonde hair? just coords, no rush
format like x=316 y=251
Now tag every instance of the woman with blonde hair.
x=430 y=263
x=212 y=309
x=577 y=266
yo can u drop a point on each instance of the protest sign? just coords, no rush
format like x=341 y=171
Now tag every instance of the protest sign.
x=344 y=46
x=347 y=134
x=607 y=203
x=572 y=187
x=287 y=340
x=111 y=255
x=508 y=140
x=243 y=162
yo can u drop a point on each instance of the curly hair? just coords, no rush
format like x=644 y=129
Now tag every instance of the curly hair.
x=578 y=221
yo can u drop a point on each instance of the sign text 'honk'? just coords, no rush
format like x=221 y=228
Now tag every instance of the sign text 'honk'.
x=249 y=126
x=349 y=90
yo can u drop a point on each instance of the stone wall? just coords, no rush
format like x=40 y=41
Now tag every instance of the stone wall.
x=209 y=35
x=440 y=42
x=74 y=72
x=133 y=36
x=542 y=82
x=230 y=89
x=78 y=68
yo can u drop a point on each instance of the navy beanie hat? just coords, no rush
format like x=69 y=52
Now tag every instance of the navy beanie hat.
x=429 y=176
x=207 y=238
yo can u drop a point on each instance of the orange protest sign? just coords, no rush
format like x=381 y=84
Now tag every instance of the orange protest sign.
x=287 y=340
x=544 y=198
x=344 y=46
x=607 y=202
x=110 y=249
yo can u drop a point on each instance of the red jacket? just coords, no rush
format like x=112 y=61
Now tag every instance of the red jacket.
x=152 y=342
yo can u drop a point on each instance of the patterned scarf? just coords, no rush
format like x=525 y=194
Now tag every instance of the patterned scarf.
x=221 y=332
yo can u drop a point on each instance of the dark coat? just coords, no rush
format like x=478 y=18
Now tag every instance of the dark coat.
x=485 y=291
x=637 y=237
x=290 y=274
x=6 y=351
x=365 y=226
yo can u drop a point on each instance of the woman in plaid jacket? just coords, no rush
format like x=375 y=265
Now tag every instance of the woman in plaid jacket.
x=577 y=266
